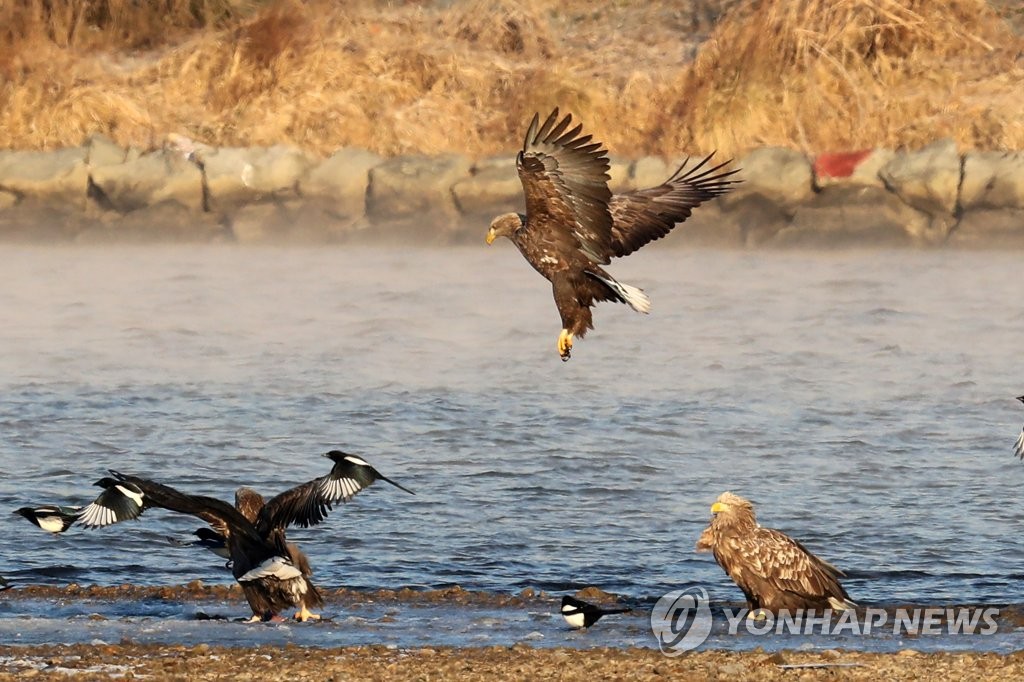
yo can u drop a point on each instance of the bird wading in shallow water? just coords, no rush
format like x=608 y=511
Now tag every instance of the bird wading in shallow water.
x=274 y=574
x=774 y=571
x=51 y=518
x=574 y=225
x=580 y=614
x=1018 y=447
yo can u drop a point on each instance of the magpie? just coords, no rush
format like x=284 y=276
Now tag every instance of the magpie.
x=120 y=501
x=580 y=614
x=51 y=518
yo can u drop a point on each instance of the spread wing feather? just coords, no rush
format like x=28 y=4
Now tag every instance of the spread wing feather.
x=221 y=516
x=642 y=216
x=308 y=504
x=121 y=502
x=565 y=182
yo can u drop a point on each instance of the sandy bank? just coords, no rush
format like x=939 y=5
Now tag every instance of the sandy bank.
x=519 y=662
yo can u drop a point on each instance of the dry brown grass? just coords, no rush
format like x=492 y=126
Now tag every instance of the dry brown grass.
x=845 y=74
x=413 y=77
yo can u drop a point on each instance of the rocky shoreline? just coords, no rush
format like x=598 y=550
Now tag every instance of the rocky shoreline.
x=519 y=662
x=185 y=192
x=124 y=657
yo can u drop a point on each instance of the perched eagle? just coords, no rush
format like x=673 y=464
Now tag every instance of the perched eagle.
x=573 y=225
x=1018 y=447
x=774 y=571
x=273 y=573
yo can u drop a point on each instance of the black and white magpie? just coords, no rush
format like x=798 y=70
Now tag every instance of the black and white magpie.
x=51 y=518
x=120 y=501
x=349 y=475
x=580 y=614
x=1018 y=447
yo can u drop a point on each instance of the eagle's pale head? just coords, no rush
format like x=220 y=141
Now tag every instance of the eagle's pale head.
x=730 y=509
x=504 y=226
x=249 y=503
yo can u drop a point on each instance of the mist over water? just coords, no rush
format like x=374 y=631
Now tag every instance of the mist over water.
x=862 y=400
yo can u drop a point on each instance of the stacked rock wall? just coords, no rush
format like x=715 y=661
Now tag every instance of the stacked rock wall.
x=927 y=198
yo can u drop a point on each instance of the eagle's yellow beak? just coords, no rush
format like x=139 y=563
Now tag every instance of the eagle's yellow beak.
x=717 y=507
x=491 y=236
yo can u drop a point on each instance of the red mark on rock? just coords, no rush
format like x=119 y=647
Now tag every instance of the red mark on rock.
x=839 y=164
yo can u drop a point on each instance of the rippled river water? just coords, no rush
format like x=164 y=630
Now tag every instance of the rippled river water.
x=863 y=401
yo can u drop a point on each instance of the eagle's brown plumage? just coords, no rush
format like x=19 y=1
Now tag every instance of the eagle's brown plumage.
x=259 y=562
x=774 y=571
x=573 y=224
x=250 y=503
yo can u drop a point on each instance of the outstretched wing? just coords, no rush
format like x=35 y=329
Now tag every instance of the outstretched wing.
x=221 y=516
x=644 y=215
x=565 y=181
x=308 y=504
x=773 y=561
x=1018 y=447
x=118 y=502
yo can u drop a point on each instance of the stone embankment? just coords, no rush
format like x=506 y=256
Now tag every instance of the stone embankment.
x=100 y=192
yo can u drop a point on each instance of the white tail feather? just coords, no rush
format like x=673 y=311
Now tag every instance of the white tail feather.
x=634 y=297
x=275 y=566
x=841 y=605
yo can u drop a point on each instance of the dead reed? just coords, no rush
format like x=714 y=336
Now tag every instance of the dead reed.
x=824 y=75
x=426 y=77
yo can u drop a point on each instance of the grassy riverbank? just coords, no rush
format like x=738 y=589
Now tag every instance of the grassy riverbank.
x=431 y=76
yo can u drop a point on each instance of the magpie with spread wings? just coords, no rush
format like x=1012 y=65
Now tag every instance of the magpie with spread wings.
x=274 y=574
x=574 y=225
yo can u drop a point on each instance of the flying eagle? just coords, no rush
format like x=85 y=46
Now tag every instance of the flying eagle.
x=573 y=225
x=1018 y=447
x=774 y=571
x=272 y=572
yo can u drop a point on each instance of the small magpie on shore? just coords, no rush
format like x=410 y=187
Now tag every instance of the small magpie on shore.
x=51 y=518
x=1018 y=447
x=580 y=614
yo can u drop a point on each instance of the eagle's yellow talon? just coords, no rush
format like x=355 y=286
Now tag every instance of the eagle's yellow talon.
x=565 y=345
x=304 y=614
